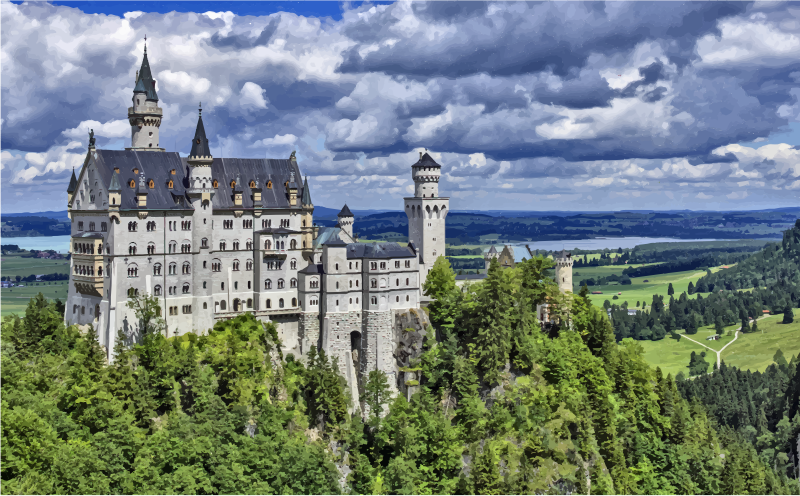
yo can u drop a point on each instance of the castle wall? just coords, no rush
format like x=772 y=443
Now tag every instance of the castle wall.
x=308 y=331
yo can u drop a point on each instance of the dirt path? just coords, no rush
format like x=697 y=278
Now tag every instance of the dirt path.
x=719 y=353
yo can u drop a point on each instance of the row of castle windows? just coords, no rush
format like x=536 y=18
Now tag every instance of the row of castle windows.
x=428 y=213
x=86 y=248
x=103 y=226
x=87 y=270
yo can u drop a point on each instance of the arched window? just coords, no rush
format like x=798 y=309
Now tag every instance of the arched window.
x=132 y=249
x=233 y=184
x=235 y=265
x=170 y=184
x=222 y=246
x=269 y=303
x=294 y=302
x=406 y=281
x=280 y=303
x=268 y=284
x=267 y=245
x=252 y=184
x=235 y=245
x=248 y=265
x=215 y=184
x=223 y=305
x=186 y=268
x=269 y=184
x=157 y=269
x=132 y=184
x=157 y=291
x=293 y=244
x=151 y=248
x=173 y=269
x=249 y=303
x=186 y=288
x=293 y=264
x=280 y=284
x=293 y=283
x=373 y=283
x=314 y=283
x=151 y=184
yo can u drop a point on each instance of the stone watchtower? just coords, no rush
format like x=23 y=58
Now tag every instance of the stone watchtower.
x=346 y=220
x=200 y=192
x=488 y=256
x=145 y=115
x=564 y=271
x=426 y=212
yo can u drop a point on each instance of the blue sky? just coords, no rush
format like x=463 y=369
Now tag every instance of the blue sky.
x=527 y=106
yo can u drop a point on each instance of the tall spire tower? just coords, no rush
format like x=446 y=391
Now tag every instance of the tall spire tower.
x=426 y=212
x=145 y=115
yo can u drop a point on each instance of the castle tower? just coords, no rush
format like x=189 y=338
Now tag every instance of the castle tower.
x=145 y=115
x=200 y=193
x=426 y=213
x=307 y=222
x=488 y=256
x=346 y=220
x=564 y=271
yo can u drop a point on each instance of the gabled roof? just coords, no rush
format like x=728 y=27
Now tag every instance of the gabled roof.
x=345 y=212
x=146 y=79
x=492 y=250
x=313 y=269
x=306 y=193
x=259 y=170
x=426 y=161
x=379 y=250
x=200 y=146
x=73 y=183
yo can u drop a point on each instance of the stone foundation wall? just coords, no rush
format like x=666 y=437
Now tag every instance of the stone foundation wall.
x=337 y=340
x=308 y=329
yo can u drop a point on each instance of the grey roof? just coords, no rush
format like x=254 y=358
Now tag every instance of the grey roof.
x=200 y=146
x=334 y=241
x=379 y=250
x=146 y=79
x=465 y=277
x=156 y=166
x=345 y=212
x=259 y=170
x=306 y=193
x=492 y=250
x=313 y=269
x=324 y=234
x=426 y=161
x=114 y=186
x=73 y=183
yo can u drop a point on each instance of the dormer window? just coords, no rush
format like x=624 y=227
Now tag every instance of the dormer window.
x=215 y=184
x=172 y=172
x=233 y=184
x=252 y=184
x=136 y=171
x=116 y=169
x=269 y=184
x=286 y=185
x=151 y=184
x=170 y=184
x=132 y=184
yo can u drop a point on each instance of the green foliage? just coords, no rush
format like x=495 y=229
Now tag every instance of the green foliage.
x=147 y=310
x=788 y=315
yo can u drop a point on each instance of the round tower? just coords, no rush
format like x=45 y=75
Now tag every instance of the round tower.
x=145 y=115
x=346 y=220
x=564 y=271
x=426 y=174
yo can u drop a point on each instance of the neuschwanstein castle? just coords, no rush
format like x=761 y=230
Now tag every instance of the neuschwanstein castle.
x=214 y=237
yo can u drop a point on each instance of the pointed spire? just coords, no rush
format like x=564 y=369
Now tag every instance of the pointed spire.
x=73 y=182
x=114 y=186
x=200 y=146
x=306 y=193
x=345 y=212
x=145 y=82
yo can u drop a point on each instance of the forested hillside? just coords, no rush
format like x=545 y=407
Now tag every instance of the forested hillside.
x=502 y=407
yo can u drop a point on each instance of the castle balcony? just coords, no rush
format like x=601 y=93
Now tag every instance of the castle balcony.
x=88 y=285
x=145 y=111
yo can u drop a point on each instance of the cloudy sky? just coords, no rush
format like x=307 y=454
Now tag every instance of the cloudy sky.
x=527 y=106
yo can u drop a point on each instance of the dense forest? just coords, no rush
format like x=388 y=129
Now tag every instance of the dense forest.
x=759 y=407
x=501 y=406
x=773 y=274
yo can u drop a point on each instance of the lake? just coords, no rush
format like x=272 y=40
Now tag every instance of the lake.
x=601 y=243
x=57 y=243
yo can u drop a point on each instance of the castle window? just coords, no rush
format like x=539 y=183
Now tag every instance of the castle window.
x=222 y=286
x=186 y=269
x=383 y=265
x=373 y=283
x=204 y=283
x=374 y=300
x=186 y=289
x=252 y=184
x=103 y=227
x=205 y=306
x=170 y=184
x=373 y=265
x=248 y=265
x=294 y=302
x=269 y=184
x=356 y=282
x=216 y=266
x=406 y=281
x=269 y=303
x=223 y=305
x=233 y=184
x=281 y=284
x=293 y=283
x=236 y=285
x=204 y=243
x=151 y=184
x=235 y=265
x=293 y=264
x=173 y=247
x=215 y=184
x=80 y=226
x=151 y=249
x=397 y=282
x=337 y=284
x=267 y=245
x=136 y=171
x=280 y=303
x=132 y=249
x=235 y=245
x=249 y=303
x=351 y=284
x=173 y=269
x=132 y=183
x=397 y=299
x=406 y=297
x=314 y=283
x=172 y=172
x=268 y=284
x=293 y=244
x=157 y=291
x=408 y=264
x=222 y=246
x=91 y=226
x=337 y=266
x=157 y=269
x=397 y=264
x=249 y=284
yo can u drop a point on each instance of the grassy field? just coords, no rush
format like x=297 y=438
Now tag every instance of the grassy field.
x=16 y=265
x=15 y=300
x=644 y=291
x=749 y=351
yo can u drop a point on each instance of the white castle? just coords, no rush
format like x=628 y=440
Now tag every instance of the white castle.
x=213 y=238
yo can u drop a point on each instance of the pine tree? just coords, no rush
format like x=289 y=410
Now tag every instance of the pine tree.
x=745 y=325
x=788 y=315
x=671 y=290
x=691 y=288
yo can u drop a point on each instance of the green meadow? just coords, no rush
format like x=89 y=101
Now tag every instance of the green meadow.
x=16 y=265
x=15 y=300
x=754 y=351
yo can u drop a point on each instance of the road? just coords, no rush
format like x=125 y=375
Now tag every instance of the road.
x=719 y=353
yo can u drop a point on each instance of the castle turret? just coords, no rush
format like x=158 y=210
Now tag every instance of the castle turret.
x=200 y=160
x=426 y=212
x=346 y=220
x=564 y=271
x=307 y=222
x=488 y=256
x=145 y=115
